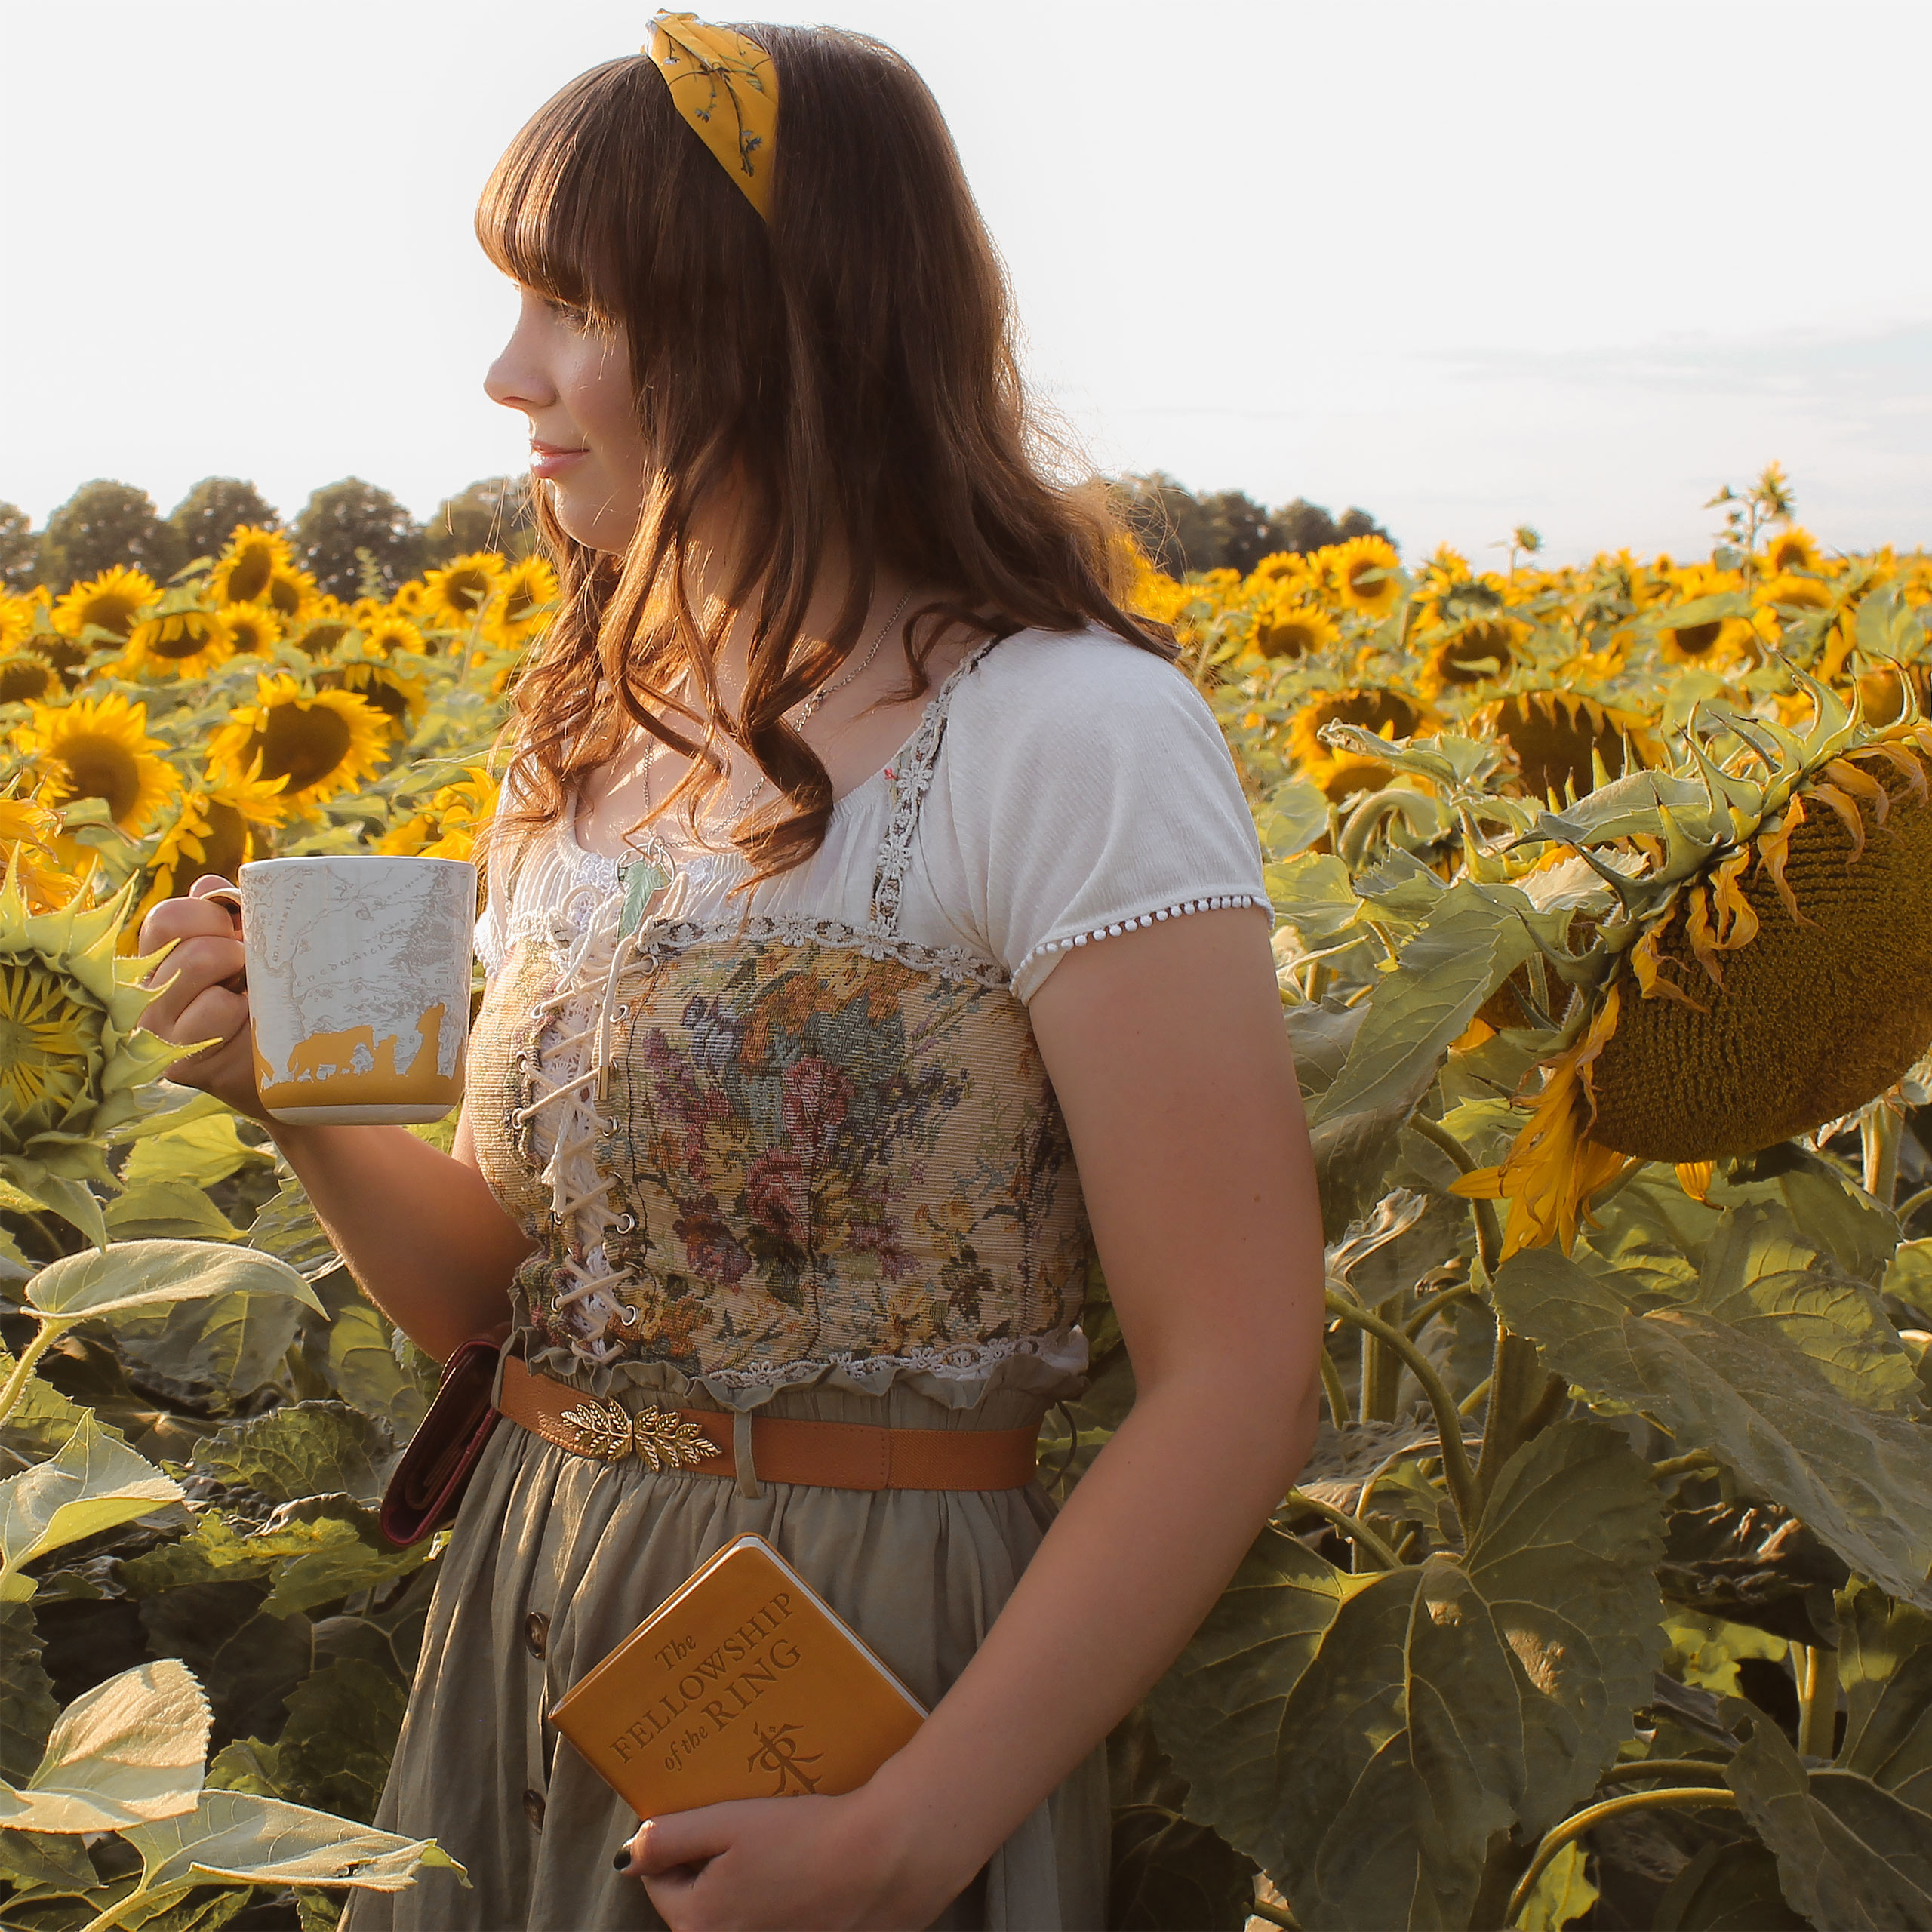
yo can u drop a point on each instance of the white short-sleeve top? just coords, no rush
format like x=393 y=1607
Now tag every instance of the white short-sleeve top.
x=1070 y=786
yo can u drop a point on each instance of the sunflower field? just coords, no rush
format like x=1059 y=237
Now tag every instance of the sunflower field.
x=1603 y=903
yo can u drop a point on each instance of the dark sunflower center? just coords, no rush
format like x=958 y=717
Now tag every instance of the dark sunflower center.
x=1698 y=638
x=303 y=746
x=102 y=767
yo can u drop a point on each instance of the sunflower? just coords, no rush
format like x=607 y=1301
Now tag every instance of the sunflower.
x=28 y=832
x=1787 y=591
x=24 y=678
x=111 y=600
x=73 y=1060
x=409 y=600
x=1716 y=631
x=1389 y=714
x=1793 y=549
x=384 y=632
x=1565 y=744
x=218 y=829
x=253 y=555
x=98 y=748
x=185 y=644
x=16 y=623
x=1472 y=654
x=1703 y=1040
x=1290 y=629
x=448 y=830
x=401 y=700
x=1367 y=574
x=321 y=743
x=255 y=629
x=526 y=596
x=326 y=622
x=457 y=592
x=290 y=593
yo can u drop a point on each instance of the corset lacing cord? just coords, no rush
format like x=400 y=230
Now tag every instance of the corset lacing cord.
x=582 y=1057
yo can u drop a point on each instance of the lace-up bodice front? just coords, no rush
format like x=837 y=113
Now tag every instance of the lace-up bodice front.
x=758 y=1146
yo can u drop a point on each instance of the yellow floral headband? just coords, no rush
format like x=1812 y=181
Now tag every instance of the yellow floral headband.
x=725 y=86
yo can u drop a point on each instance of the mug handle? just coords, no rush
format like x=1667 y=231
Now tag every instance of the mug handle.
x=230 y=896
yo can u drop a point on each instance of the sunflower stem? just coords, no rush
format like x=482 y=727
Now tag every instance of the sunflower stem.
x=1455 y=1469
x=51 y=1329
x=1489 y=1231
x=1878 y=1139
x=1519 y=1394
x=1353 y=1528
x=1339 y=1411
x=1817 y=1702
x=1578 y=1822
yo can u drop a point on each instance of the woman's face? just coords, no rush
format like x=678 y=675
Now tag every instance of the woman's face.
x=575 y=385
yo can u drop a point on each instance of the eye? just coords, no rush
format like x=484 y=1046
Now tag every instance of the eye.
x=577 y=317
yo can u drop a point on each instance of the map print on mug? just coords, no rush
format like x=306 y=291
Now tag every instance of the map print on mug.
x=358 y=985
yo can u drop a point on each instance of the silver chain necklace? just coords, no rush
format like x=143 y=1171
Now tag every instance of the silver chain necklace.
x=644 y=876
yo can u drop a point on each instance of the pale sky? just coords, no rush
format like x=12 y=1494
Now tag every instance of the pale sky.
x=1466 y=263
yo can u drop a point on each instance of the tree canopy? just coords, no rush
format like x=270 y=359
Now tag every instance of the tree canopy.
x=341 y=518
x=104 y=523
x=1226 y=529
x=207 y=516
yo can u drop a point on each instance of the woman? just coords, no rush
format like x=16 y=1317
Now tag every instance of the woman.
x=873 y=892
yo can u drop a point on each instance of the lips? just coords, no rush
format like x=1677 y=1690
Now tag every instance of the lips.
x=552 y=459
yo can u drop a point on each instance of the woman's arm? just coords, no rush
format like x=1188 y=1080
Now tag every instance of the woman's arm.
x=421 y=1232
x=1168 y=1054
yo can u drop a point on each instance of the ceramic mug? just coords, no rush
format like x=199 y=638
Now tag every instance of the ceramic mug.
x=358 y=985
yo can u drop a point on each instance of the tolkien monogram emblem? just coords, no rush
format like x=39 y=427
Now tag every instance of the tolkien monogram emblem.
x=609 y=1430
x=780 y=1755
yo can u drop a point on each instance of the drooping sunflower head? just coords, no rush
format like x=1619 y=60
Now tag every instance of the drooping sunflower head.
x=111 y=600
x=1387 y=713
x=457 y=592
x=25 y=679
x=1565 y=745
x=72 y=1059
x=255 y=629
x=320 y=742
x=242 y=572
x=1290 y=628
x=1771 y=970
x=1367 y=574
x=179 y=644
x=1793 y=549
x=1473 y=654
x=99 y=748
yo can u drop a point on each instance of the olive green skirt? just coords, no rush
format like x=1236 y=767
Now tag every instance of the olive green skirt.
x=555 y=1559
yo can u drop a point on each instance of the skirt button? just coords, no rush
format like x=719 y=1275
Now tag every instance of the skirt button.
x=536 y=1633
x=533 y=1808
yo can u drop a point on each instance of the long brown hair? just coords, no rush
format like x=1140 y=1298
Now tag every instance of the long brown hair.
x=848 y=370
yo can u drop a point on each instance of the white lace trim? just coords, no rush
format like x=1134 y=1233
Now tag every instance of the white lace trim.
x=912 y=778
x=1214 y=902
x=961 y=1362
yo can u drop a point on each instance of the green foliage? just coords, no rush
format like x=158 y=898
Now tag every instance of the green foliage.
x=492 y=514
x=341 y=519
x=1226 y=529
x=103 y=524
x=208 y=515
x=20 y=550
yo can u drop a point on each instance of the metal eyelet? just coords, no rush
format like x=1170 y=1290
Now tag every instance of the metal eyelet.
x=625 y=1223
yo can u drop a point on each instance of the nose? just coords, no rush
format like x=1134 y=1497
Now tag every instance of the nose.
x=516 y=378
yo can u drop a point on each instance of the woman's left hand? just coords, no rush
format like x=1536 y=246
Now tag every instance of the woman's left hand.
x=804 y=1864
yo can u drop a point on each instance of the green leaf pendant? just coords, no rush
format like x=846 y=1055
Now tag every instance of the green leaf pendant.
x=642 y=880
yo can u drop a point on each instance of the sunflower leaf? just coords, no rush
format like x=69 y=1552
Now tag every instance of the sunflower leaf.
x=233 y=1835
x=302 y=1449
x=1365 y=1737
x=146 y=1274
x=129 y=1752
x=1753 y=1395
x=95 y=1483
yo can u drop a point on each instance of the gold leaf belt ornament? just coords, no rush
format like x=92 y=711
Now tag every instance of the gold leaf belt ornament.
x=608 y=1430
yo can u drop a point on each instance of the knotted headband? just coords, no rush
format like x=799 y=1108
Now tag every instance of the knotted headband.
x=724 y=86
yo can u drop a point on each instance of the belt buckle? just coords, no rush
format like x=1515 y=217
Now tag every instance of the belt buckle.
x=660 y=1436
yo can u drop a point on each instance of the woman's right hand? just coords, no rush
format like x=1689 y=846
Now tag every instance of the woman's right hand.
x=197 y=1000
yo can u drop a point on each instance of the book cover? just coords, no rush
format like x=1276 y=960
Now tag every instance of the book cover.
x=743 y=1684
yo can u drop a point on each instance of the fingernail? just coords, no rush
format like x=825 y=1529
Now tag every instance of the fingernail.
x=621 y=1862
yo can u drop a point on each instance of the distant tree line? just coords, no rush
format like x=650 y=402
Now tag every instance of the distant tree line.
x=1227 y=529
x=105 y=523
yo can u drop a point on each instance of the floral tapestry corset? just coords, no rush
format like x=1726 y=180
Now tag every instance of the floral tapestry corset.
x=798 y=1151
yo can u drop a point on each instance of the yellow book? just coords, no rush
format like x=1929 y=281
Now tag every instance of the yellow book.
x=744 y=1684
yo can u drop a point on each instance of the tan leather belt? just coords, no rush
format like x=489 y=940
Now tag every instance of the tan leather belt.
x=832 y=1455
